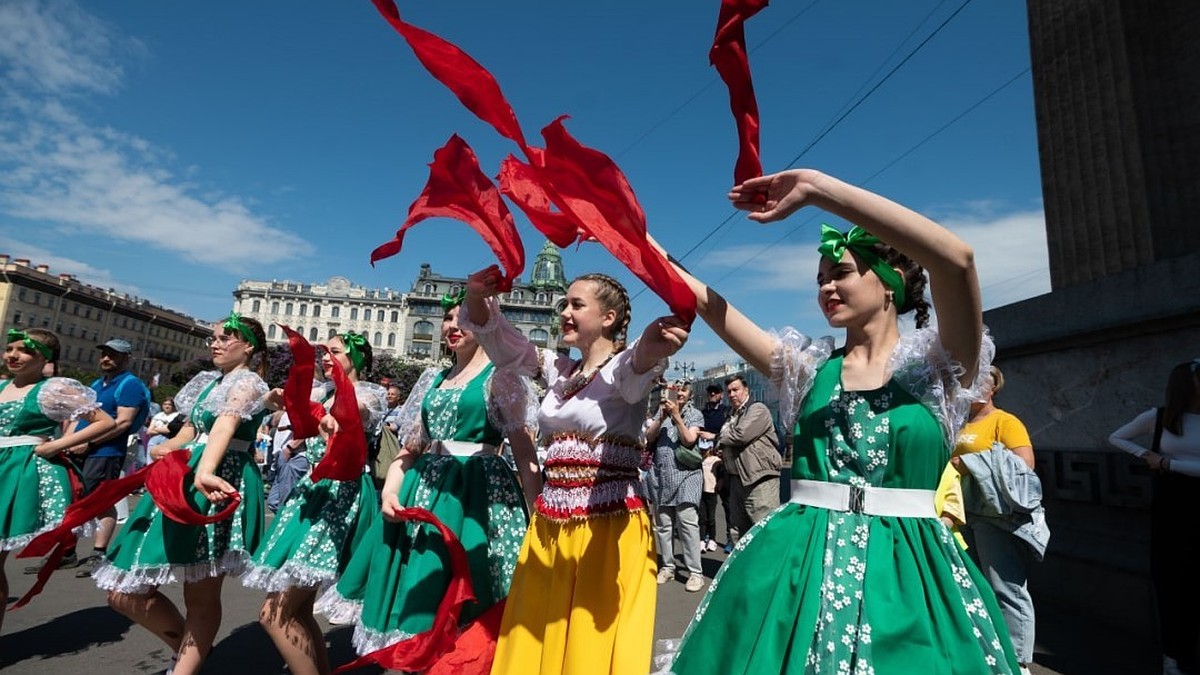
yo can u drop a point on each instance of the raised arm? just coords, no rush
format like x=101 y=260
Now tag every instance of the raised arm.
x=953 y=283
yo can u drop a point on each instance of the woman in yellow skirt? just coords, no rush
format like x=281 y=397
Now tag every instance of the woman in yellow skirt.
x=583 y=594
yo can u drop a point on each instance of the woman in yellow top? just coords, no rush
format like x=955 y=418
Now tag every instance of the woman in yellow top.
x=1000 y=554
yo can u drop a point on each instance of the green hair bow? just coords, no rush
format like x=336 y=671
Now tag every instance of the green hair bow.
x=235 y=323
x=355 y=348
x=452 y=300
x=834 y=244
x=30 y=343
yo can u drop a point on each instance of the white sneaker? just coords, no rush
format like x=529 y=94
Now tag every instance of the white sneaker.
x=694 y=583
x=1024 y=670
x=666 y=574
x=712 y=545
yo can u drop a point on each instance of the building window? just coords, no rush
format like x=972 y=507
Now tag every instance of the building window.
x=271 y=332
x=33 y=319
x=366 y=315
x=21 y=294
x=37 y=299
x=332 y=333
x=17 y=318
x=274 y=307
x=395 y=316
x=539 y=337
x=335 y=311
x=423 y=329
x=541 y=298
x=287 y=309
x=428 y=288
x=316 y=311
x=420 y=349
x=354 y=314
x=257 y=306
x=303 y=310
x=391 y=339
x=75 y=309
x=378 y=341
x=516 y=296
x=45 y=322
x=312 y=334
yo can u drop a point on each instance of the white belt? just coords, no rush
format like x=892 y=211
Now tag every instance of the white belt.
x=235 y=444
x=461 y=448
x=873 y=501
x=14 y=441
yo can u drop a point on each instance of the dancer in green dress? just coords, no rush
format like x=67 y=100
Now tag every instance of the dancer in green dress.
x=310 y=539
x=225 y=408
x=451 y=429
x=857 y=574
x=35 y=491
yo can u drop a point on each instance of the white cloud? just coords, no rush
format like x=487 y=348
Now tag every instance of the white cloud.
x=58 y=169
x=101 y=278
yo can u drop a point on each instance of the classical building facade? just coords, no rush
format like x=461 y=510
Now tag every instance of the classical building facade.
x=84 y=316
x=402 y=323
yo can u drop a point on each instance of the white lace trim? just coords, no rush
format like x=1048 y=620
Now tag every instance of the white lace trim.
x=144 y=579
x=795 y=360
x=366 y=640
x=337 y=608
x=373 y=398
x=290 y=575
x=410 y=431
x=62 y=399
x=20 y=541
x=512 y=404
x=186 y=398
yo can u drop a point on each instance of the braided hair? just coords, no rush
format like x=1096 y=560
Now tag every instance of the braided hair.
x=612 y=296
x=914 y=282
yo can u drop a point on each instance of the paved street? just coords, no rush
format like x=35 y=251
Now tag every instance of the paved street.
x=70 y=629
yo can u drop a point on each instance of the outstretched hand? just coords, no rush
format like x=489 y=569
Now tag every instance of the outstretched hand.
x=486 y=282
x=774 y=197
x=663 y=337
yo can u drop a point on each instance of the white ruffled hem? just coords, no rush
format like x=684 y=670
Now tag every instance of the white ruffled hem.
x=290 y=575
x=142 y=580
x=366 y=640
x=664 y=655
x=338 y=609
x=85 y=530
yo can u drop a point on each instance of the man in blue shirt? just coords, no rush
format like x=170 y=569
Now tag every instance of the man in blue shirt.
x=124 y=396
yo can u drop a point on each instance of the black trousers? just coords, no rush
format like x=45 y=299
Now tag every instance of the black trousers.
x=1174 y=533
x=708 y=516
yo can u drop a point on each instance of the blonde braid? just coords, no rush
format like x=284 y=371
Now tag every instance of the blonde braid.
x=612 y=295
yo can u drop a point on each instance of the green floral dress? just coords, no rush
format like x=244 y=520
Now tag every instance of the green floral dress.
x=394 y=582
x=35 y=492
x=151 y=549
x=310 y=540
x=814 y=591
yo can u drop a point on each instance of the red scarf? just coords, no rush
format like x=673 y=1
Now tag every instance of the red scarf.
x=728 y=55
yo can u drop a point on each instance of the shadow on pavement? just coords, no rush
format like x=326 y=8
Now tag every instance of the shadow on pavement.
x=67 y=634
x=247 y=649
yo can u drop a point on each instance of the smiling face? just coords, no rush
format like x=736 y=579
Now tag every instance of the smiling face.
x=584 y=317
x=849 y=293
x=335 y=349
x=458 y=340
x=21 y=361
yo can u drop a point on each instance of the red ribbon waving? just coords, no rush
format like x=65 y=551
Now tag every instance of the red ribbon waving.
x=304 y=414
x=458 y=189
x=347 y=447
x=604 y=208
x=461 y=74
x=728 y=55
x=164 y=480
x=422 y=651
x=519 y=182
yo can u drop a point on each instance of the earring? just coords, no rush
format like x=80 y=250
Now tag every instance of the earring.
x=888 y=299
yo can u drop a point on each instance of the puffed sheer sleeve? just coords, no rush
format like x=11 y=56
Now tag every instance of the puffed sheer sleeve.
x=633 y=386
x=512 y=402
x=62 y=399
x=410 y=430
x=923 y=367
x=239 y=394
x=372 y=398
x=795 y=359
x=186 y=398
x=508 y=349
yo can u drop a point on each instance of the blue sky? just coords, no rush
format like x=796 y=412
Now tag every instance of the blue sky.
x=171 y=151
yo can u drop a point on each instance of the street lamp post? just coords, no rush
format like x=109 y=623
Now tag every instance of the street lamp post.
x=685 y=369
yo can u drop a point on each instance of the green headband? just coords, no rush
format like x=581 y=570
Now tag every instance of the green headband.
x=452 y=300
x=859 y=241
x=355 y=345
x=234 y=322
x=30 y=343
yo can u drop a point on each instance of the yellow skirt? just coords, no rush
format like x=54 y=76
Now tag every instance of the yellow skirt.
x=582 y=599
